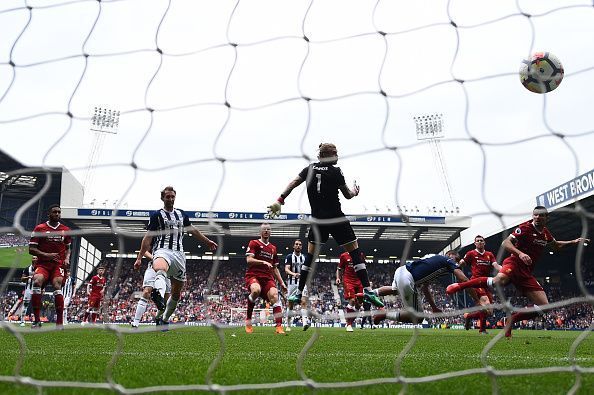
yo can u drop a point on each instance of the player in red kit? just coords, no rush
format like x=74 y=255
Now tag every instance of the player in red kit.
x=261 y=277
x=95 y=291
x=50 y=243
x=526 y=245
x=481 y=264
x=351 y=287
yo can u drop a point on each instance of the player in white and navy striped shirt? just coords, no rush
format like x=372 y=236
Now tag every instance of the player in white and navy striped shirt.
x=67 y=291
x=293 y=263
x=27 y=278
x=164 y=237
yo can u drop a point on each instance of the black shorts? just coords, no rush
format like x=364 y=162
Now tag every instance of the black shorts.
x=342 y=233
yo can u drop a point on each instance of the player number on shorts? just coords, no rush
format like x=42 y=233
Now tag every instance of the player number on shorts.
x=319 y=177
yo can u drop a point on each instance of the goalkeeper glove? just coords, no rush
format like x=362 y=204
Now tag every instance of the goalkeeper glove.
x=274 y=209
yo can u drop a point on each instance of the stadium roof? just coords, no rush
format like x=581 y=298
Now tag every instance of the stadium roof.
x=25 y=183
x=565 y=223
x=379 y=236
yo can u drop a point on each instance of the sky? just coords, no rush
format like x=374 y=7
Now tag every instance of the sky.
x=171 y=67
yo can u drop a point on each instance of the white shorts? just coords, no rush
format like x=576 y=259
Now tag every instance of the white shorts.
x=176 y=261
x=28 y=293
x=404 y=283
x=149 y=279
x=292 y=289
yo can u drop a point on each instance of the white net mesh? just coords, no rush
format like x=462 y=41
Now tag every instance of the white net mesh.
x=222 y=90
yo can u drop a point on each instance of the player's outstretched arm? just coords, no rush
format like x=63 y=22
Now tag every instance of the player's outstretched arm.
x=429 y=297
x=559 y=244
x=274 y=209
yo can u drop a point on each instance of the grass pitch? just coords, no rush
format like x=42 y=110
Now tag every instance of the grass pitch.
x=10 y=256
x=183 y=356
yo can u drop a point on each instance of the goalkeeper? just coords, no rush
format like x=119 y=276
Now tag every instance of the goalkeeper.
x=324 y=179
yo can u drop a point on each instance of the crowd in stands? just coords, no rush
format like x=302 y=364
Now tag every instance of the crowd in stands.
x=12 y=240
x=225 y=301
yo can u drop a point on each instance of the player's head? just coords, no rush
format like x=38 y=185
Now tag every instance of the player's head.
x=54 y=213
x=297 y=246
x=453 y=255
x=540 y=215
x=265 y=231
x=168 y=197
x=327 y=153
x=101 y=270
x=479 y=242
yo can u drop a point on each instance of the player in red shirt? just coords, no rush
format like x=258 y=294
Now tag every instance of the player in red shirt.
x=50 y=243
x=351 y=286
x=261 y=277
x=526 y=245
x=481 y=264
x=95 y=291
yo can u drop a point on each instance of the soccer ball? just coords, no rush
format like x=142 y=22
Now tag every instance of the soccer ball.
x=542 y=73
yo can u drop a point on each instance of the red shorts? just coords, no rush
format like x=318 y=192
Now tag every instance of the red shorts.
x=520 y=275
x=350 y=289
x=95 y=301
x=49 y=271
x=266 y=283
x=480 y=292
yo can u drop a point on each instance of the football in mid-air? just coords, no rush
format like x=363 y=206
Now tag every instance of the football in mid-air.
x=541 y=73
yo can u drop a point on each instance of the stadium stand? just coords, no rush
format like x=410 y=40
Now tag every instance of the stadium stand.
x=228 y=293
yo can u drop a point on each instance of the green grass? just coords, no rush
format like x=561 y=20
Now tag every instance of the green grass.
x=10 y=256
x=182 y=356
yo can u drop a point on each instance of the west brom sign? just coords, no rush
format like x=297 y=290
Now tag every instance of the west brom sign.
x=565 y=193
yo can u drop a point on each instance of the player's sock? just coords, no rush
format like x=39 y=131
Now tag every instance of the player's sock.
x=277 y=310
x=305 y=268
x=350 y=309
x=25 y=308
x=59 y=303
x=360 y=268
x=159 y=314
x=476 y=315
x=288 y=314
x=36 y=303
x=483 y=321
x=394 y=315
x=479 y=282
x=171 y=305
x=250 y=308
x=304 y=318
x=161 y=282
x=523 y=316
x=140 y=309
x=366 y=316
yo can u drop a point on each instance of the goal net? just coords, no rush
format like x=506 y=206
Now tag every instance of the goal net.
x=228 y=100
